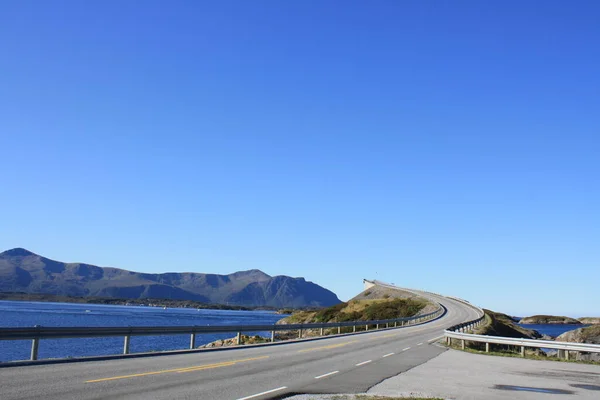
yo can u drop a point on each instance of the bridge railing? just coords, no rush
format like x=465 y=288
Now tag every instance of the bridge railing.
x=38 y=333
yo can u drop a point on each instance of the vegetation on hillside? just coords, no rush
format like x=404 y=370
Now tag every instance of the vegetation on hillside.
x=548 y=319
x=360 y=310
x=499 y=324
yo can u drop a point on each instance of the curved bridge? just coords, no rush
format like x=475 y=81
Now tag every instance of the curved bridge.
x=349 y=363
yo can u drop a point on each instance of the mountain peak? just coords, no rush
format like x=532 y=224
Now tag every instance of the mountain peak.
x=18 y=252
x=251 y=272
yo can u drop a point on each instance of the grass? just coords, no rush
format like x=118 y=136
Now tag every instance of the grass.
x=361 y=310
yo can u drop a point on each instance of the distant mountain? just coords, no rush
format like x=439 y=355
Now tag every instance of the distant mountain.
x=24 y=271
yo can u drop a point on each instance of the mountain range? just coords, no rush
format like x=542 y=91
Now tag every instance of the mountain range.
x=24 y=271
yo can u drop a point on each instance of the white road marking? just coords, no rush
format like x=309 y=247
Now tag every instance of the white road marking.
x=419 y=344
x=408 y=348
x=435 y=339
x=363 y=363
x=387 y=355
x=263 y=393
x=324 y=375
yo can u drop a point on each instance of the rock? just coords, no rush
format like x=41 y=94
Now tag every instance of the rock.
x=590 y=320
x=590 y=335
x=549 y=319
x=233 y=341
x=503 y=325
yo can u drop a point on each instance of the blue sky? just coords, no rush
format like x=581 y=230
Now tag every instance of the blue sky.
x=449 y=146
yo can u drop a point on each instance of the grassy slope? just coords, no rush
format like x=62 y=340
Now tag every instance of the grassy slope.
x=361 y=310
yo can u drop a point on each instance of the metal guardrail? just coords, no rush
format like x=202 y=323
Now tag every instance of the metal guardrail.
x=460 y=332
x=546 y=344
x=38 y=333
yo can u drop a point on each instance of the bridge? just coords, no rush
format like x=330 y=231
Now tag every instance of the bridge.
x=348 y=363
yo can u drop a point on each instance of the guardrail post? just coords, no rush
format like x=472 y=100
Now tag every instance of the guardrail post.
x=192 y=341
x=448 y=340
x=238 y=338
x=126 y=344
x=487 y=347
x=35 y=343
x=272 y=336
x=377 y=327
x=462 y=343
x=522 y=351
x=567 y=355
x=339 y=330
x=321 y=331
x=366 y=327
x=395 y=324
x=300 y=333
x=353 y=328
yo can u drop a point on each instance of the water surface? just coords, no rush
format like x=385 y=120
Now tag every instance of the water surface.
x=29 y=314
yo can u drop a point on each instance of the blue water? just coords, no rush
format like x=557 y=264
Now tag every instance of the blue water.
x=28 y=314
x=553 y=330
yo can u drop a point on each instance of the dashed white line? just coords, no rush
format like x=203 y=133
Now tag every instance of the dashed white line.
x=408 y=348
x=324 y=375
x=387 y=355
x=419 y=344
x=363 y=363
x=263 y=393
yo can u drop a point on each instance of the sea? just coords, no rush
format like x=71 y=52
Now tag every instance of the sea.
x=29 y=314
x=553 y=330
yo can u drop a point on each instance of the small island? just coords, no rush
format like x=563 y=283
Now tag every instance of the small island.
x=549 y=319
x=590 y=320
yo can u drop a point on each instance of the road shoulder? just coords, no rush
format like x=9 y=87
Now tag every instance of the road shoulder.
x=459 y=375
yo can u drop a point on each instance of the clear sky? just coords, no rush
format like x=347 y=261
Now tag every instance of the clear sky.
x=452 y=146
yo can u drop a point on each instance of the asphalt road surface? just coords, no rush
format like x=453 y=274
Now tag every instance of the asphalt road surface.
x=343 y=364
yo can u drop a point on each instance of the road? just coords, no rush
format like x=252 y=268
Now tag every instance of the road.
x=460 y=375
x=343 y=364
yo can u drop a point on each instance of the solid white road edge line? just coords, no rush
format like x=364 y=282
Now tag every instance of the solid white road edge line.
x=387 y=355
x=263 y=393
x=324 y=375
x=363 y=363
x=435 y=339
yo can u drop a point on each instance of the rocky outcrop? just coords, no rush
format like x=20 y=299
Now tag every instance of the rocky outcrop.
x=548 y=319
x=589 y=320
x=245 y=339
x=590 y=335
x=503 y=325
